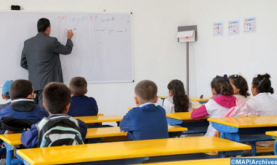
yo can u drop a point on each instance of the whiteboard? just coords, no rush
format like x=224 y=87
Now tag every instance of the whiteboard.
x=102 y=49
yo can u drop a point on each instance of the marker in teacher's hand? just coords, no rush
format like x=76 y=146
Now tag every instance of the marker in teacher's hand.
x=69 y=34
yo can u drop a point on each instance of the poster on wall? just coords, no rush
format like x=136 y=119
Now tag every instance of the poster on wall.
x=249 y=25
x=218 y=29
x=233 y=27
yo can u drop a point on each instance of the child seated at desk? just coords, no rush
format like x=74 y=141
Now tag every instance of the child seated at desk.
x=240 y=87
x=81 y=105
x=58 y=129
x=262 y=102
x=177 y=101
x=221 y=102
x=5 y=94
x=147 y=121
x=22 y=103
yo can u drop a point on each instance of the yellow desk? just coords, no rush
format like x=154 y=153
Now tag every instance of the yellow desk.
x=194 y=106
x=200 y=100
x=194 y=99
x=197 y=99
x=247 y=122
x=129 y=149
x=274 y=136
x=99 y=119
x=245 y=129
x=271 y=133
x=180 y=115
x=163 y=98
x=222 y=161
x=185 y=116
x=14 y=139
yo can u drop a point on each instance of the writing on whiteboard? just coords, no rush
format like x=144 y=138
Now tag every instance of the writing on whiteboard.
x=110 y=30
x=86 y=18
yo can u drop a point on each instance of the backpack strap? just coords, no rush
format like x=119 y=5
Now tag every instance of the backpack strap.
x=39 y=127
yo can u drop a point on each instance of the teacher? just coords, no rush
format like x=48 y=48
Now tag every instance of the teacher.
x=40 y=56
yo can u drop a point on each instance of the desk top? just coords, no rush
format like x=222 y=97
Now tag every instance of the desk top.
x=115 y=131
x=128 y=149
x=162 y=97
x=180 y=115
x=271 y=133
x=99 y=119
x=247 y=122
x=194 y=99
x=197 y=99
x=14 y=139
x=218 y=161
x=194 y=106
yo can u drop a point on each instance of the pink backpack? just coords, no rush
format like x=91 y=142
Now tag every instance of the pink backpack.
x=241 y=109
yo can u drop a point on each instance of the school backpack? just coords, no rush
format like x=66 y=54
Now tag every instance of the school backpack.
x=242 y=109
x=59 y=131
x=13 y=125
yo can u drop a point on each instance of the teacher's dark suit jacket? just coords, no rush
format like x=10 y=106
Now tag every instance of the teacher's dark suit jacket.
x=40 y=56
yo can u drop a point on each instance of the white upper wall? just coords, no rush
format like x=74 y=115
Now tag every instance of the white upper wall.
x=157 y=54
x=248 y=54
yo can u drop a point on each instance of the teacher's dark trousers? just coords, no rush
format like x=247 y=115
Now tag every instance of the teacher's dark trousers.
x=38 y=98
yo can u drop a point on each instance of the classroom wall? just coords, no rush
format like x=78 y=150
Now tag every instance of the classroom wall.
x=246 y=54
x=157 y=55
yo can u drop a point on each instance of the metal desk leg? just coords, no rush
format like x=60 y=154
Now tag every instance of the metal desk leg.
x=222 y=135
x=163 y=102
x=275 y=148
x=9 y=154
x=254 y=150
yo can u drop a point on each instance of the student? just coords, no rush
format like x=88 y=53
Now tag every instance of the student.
x=262 y=102
x=147 y=121
x=22 y=105
x=177 y=101
x=5 y=94
x=59 y=126
x=216 y=107
x=240 y=87
x=81 y=105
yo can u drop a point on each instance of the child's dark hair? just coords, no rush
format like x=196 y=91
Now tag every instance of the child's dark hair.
x=78 y=86
x=240 y=83
x=263 y=83
x=222 y=85
x=146 y=90
x=56 y=96
x=180 y=99
x=20 y=89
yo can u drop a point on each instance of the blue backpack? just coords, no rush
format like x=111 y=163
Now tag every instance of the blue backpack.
x=59 y=132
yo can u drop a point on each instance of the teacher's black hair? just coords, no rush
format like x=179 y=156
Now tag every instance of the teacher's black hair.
x=43 y=24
